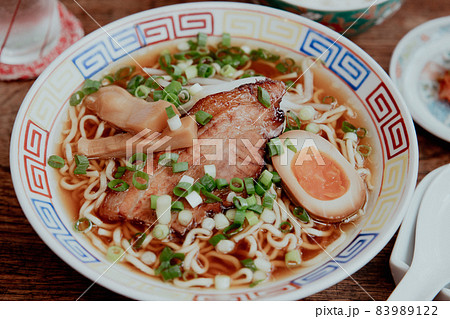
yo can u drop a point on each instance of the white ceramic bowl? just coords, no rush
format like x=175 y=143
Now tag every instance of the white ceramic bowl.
x=344 y=16
x=39 y=120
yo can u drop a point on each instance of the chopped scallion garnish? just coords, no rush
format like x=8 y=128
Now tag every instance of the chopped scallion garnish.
x=348 y=127
x=364 y=150
x=182 y=189
x=226 y=40
x=82 y=163
x=301 y=214
x=137 y=157
x=211 y=198
x=216 y=239
x=177 y=206
x=55 y=161
x=263 y=96
x=180 y=167
x=249 y=185
x=118 y=185
x=114 y=253
x=249 y=263
x=168 y=159
x=170 y=112
x=240 y=203
x=268 y=200
x=202 y=117
x=286 y=227
x=238 y=181
x=83 y=225
x=76 y=98
x=221 y=183
x=142 y=175
x=153 y=199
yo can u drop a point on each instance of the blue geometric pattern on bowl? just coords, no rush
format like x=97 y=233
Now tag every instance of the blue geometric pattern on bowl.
x=351 y=251
x=107 y=50
x=51 y=220
x=344 y=63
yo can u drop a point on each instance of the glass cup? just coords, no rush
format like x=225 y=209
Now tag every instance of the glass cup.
x=29 y=30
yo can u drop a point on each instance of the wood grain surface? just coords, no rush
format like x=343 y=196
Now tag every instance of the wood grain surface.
x=29 y=270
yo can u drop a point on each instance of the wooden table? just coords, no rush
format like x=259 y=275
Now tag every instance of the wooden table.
x=29 y=270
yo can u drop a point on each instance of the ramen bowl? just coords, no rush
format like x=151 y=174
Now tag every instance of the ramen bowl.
x=349 y=16
x=39 y=126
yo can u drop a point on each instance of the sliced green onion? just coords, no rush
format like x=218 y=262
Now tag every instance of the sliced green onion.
x=142 y=92
x=233 y=187
x=286 y=227
x=182 y=189
x=205 y=70
x=249 y=263
x=191 y=72
x=259 y=189
x=180 y=167
x=265 y=179
x=171 y=273
x=301 y=214
x=233 y=229
x=226 y=40
x=83 y=225
x=90 y=86
x=307 y=113
x=276 y=142
x=165 y=60
x=361 y=132
x=184 y=96
x=251 y=200
x=158 y=95
x=134 y=83
x=174 y=87
x=289 y=145
x=268 y=200
x=211 y=198
x=215 y=239
x=174 y=71
x=133 y=159
x=138 y=239
x=256 y=208
x=107 y=80
x=124 y=72
x=292 y=258
x=144 y=176
x=240 y=203
x=118 y=185
x=114 y=254
x=76 y=98
x=291 y=117
x=55 y=161
x=289 y=84
x=120 y=171
x=202 y=39
x=82 y=163
x=197 y=187
x=327 y=98
x=202 y=117
x=151 y=82
x=281 y=67
x=239 y=216
x=273 y=150
x=170 y=112
x=168 y=159
x=348 y=127
x=153 y=200
x=227 y=71
x=249 y=185
x=313 y=128
x=177 y=206
x=276 y=178
x=209 y=182
x=364 y=150
x=251 y=218
x=160 y=231
x=172 y=98
x=221 y=183
x=263 y=97
x=255 y=283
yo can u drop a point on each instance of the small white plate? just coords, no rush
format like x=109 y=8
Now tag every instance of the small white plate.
x=402 y=254
x=418 y=60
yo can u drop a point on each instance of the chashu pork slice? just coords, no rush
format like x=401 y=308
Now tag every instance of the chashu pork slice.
x=233 y=141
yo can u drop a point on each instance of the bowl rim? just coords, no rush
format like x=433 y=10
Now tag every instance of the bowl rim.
x=330 y=8
x=319 y=285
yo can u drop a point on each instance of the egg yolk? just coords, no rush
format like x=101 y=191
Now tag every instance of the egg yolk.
x=320 y=176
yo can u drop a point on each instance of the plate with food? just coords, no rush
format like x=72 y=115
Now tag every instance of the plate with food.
x=231 y=152
x=420 y=68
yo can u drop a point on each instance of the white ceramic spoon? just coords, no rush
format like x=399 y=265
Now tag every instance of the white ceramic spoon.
x=430 y=268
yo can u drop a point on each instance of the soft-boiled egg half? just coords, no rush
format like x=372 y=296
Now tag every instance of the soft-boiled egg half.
x=317 y=177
